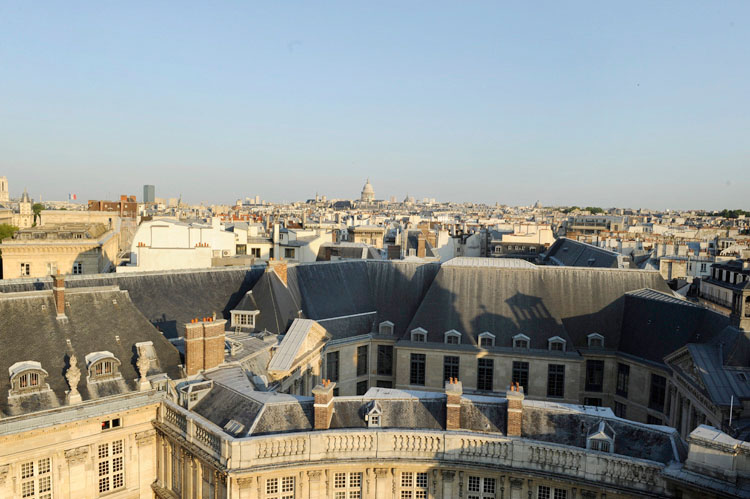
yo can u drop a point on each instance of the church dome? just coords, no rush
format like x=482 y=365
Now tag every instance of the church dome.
x=368 y=194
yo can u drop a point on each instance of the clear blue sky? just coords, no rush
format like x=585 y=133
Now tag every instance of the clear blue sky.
x=588 y=103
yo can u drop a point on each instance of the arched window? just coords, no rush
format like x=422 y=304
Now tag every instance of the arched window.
x=27 y=376
x=419 y=335
x=556 y=343
x=486 y=339
x=102 y=366
x=386 y=327
x=596 y=340
x=521 y=341
x=452 y=337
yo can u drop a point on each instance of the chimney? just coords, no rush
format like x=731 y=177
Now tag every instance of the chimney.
x=453 y=392
x=421 y=250
x=204 y=344
x=323 y=406
x=514 y=394
x=279 y=267
x=58 y=291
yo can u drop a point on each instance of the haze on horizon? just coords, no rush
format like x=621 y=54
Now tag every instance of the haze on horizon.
x=638 y=104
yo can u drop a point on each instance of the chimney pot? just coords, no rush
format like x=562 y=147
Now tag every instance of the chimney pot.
x=323 y=406
x=515 y=397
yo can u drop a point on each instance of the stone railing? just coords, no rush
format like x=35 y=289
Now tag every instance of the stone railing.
x=456 y=448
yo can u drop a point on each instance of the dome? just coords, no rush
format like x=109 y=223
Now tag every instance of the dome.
x=368 y=194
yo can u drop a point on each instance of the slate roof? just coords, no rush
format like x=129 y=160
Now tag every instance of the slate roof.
x=98 y=319
x=570 y=253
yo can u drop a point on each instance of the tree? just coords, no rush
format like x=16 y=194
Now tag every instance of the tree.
x=7 y=230
x=37 y=209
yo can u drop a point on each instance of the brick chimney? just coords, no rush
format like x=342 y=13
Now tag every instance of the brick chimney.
x=453 y=392
x=514 y=394
x=421 y=247
x=58 y=292
x=323 y=406
x=204 y=344
x=279 y=267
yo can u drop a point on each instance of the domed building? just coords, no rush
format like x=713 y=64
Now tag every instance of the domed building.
x=368 y=194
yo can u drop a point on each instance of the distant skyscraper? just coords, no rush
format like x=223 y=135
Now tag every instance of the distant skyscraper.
x=149 y=194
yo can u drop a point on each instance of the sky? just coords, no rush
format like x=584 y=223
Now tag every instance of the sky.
x=628 y=104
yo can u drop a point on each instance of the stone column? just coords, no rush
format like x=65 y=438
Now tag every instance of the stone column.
x=145 y=461
x=314 y=482
x=76 y=459
x=382 y=483
x=448 y=477
x=246 y=486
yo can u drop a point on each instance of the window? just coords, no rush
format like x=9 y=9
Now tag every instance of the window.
x=623 y=379
x=621 y=410
x=209 y=482
x=111 y=466
x=385 y=360
x=450 y=367
x=78 y=268
x=255 y=252
x=289 y=253
x=600 y=445
x=51 y=268
x=413 y=485
x=592 y=401
x=332 y=366
x=657 y=394
x=485 y=368
x=386 y=327
x=481 y=488
x=243 y=319
x=556 y=344
x=594 y=375
x=486 y=339
x=36 y=479
x=452 y=337
x=544 y=492
x=416 y=375
x=241 y=249
x=520 y=341
x=419 y=335
x=556 y=380
x=653 y=420
x=362 y=387
x=362 y=360
x=347 y=485
x=280 y=488
x=521 y=375
x=111 y=424
x=25 y=269
x=596 y=340
x=384 y=384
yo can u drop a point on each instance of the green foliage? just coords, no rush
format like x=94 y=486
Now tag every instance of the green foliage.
x=727 y=213
x=7 y=230
x=570 y=209
x=594 y=209
x=37 y=209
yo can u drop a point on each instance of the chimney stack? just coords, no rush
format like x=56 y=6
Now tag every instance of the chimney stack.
x=514 y=394
x=280 y=268
x=323 y=406
x=421 y=249
x=58 y=291
x=453 y=392
x=204 y=344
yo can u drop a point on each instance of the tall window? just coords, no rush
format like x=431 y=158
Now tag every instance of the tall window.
x=658 y=392
x=416 y=376
x=111 y=466
x=36 y=479
x=361 y=387
x=556 y=380
x=450 y=367
x=623 y=379
x=208 y=482
x=385 y=360
x=485 y=368
x=280 y=488
x=362 y=360
x=481 y=488
x=521 y=375
x=594 y=375
x=621 y=410
x=25 y=269
x=347 y=485
x=332 y=366
x=78 y=267
x=544 y=492
x=413 y=485
x=289 y=253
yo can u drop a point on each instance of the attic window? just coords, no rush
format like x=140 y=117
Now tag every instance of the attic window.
x=374 y=415
x=596 y=340
x=486 y=339
x=102 y=366
x=452 y=337
x=601 y=438
x=386 y=327
x=243 y=318
x=556 y=344
x=27 y=376
x=521 y=341
x=419 y=335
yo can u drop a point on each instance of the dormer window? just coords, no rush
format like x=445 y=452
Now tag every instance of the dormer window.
x=374 y=415
x=556 y=344
x=27 y=376
x=521 y=341
x=596 y=340
x=243 y=318
x=102 y=366
x=452 y=337
x=601 y=438
x=486 y=339
x=386 y=327
x=419 y=335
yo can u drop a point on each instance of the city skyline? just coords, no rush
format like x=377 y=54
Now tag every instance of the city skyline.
x=639 y=106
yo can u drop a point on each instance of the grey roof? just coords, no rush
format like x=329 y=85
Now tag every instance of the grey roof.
x=98 y=319
x=570 y=253
x=467 y=261
x=287 y=351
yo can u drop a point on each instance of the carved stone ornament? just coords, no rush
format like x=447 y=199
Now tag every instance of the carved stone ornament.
x=245 y=481
x=381 y=472
x=314 y=474
x=448 y=475
x=77 y=455
x=143 y=364
x=73 y=376
x=145 y=437
x=4 y=470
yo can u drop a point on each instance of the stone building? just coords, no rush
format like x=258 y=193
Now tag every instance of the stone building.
x=368 y=194
x=116 y=388
x=66 y=248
